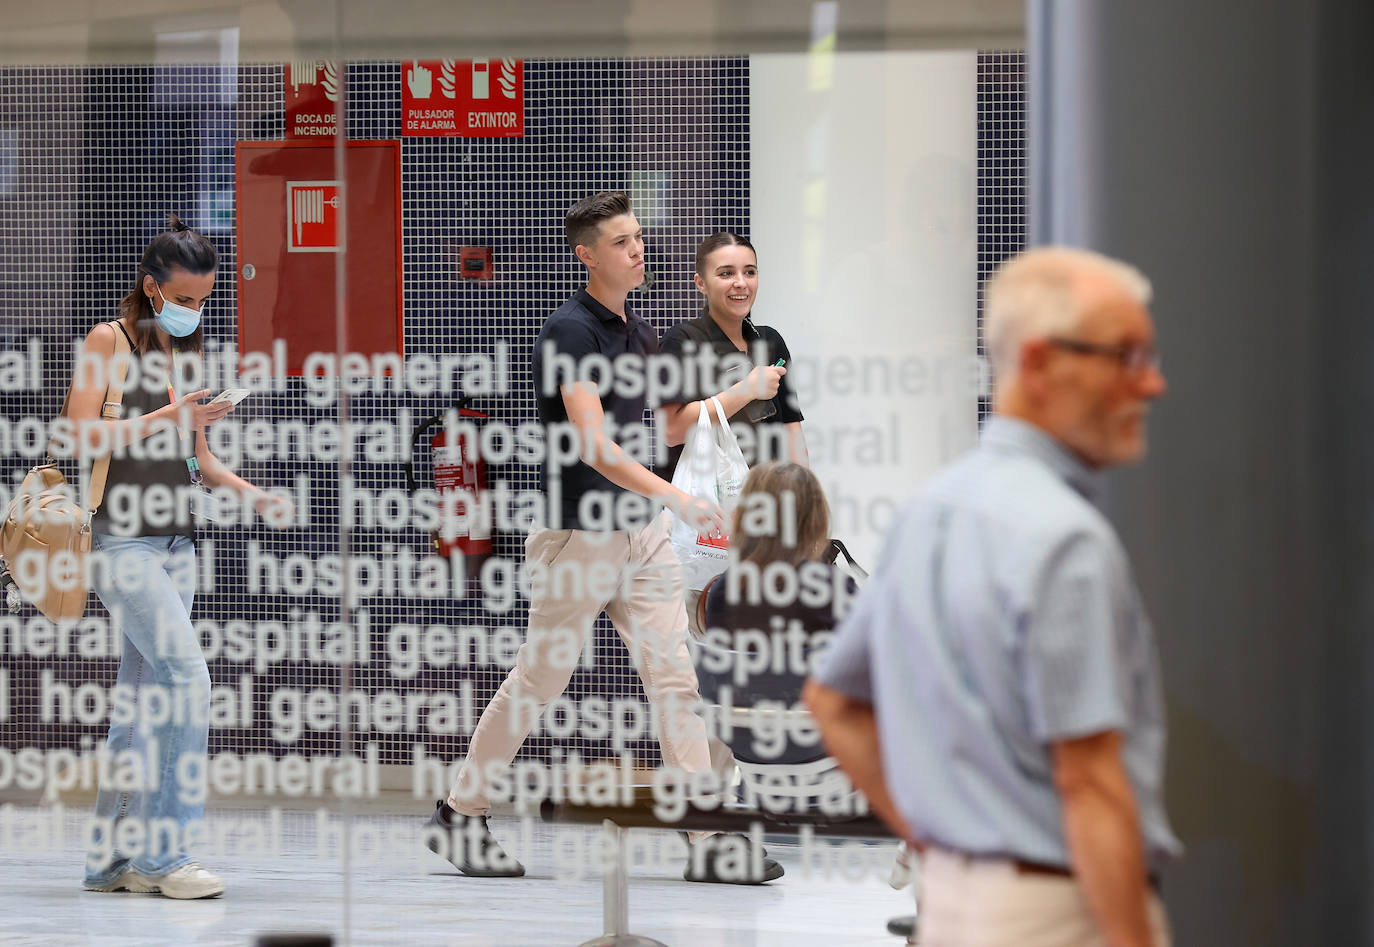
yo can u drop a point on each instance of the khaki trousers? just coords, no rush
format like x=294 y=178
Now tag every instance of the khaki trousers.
x=983 y=902
x=646 y=608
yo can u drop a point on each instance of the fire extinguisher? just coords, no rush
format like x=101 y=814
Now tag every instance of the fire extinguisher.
x=457 y=466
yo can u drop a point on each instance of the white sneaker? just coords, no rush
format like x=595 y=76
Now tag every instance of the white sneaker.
x=185 y=883
x=129 y=881
x=189 y=882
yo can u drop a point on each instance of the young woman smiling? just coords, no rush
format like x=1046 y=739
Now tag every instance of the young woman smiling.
x=727 y=275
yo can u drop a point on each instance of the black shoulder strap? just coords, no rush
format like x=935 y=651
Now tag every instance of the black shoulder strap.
x=119 y=324
x=837 y=549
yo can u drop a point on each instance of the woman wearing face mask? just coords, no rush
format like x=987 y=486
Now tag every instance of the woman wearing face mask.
x=727 y=275
x=145 y=569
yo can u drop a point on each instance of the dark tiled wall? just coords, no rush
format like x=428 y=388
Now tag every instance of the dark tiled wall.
x=1001 y=167
x=95 y=157
x=101 y=154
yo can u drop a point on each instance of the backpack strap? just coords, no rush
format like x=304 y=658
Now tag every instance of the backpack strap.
x=837 y=549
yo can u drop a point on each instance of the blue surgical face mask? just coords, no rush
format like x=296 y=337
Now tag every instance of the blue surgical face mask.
x=177 y=321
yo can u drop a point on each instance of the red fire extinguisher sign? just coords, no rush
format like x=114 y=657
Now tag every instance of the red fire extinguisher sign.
x=459 y=468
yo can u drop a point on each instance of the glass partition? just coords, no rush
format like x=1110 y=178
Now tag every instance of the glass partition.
x=355 y=550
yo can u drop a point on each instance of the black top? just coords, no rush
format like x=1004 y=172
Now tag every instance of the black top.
x=774 y=682
x=579 y=328
x=758 y=616
x=141 y=471
x=686 y=338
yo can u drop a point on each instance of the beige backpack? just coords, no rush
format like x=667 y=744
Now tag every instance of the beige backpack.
x=46 y=533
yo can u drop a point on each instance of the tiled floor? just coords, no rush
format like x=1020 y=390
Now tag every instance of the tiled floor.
x=393 y=891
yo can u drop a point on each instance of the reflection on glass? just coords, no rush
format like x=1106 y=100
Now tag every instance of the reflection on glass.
x=351 y=655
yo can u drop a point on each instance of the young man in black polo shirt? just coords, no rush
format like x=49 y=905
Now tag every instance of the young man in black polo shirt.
x=646 y=605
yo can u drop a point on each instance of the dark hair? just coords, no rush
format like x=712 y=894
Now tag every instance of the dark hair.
x=583 y=222
x=714 y=242
x=812 y=534
x=178 y=247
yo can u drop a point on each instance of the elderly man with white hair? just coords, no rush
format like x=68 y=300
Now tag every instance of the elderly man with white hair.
x=995 y=690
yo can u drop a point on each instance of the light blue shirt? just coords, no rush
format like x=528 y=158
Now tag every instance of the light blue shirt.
x=1003 y=617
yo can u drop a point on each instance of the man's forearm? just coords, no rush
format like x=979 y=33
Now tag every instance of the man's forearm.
x=849 y=730
x=610 y=460
x=1103 y=834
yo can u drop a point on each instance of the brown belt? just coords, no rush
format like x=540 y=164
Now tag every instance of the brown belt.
x=1036 y=868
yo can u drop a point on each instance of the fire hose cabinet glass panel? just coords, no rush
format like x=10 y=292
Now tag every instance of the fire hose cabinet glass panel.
x=292 y=226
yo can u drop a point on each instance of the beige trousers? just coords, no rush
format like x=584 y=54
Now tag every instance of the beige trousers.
x=646 y=608
x=980 y=902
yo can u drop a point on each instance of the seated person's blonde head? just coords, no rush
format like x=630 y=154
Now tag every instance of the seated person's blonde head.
x=801 y=528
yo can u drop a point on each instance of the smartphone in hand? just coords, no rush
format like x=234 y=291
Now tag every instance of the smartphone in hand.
x=231 y=395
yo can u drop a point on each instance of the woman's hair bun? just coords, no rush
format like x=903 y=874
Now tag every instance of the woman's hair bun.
x=175 y=225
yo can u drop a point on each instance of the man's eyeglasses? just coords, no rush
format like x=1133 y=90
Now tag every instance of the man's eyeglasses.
x=1134 y=357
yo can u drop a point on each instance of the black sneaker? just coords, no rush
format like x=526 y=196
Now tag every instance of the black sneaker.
x=473 y=850
x=727 y=859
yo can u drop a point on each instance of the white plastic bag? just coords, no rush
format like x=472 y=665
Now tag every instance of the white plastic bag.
x=712 y=467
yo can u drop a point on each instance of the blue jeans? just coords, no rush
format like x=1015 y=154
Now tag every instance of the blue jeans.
x=146 y=583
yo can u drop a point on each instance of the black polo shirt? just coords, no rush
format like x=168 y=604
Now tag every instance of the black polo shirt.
x=780 y=409
x=579 y=328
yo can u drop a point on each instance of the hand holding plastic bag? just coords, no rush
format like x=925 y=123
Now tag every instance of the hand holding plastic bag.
x=712 y=467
